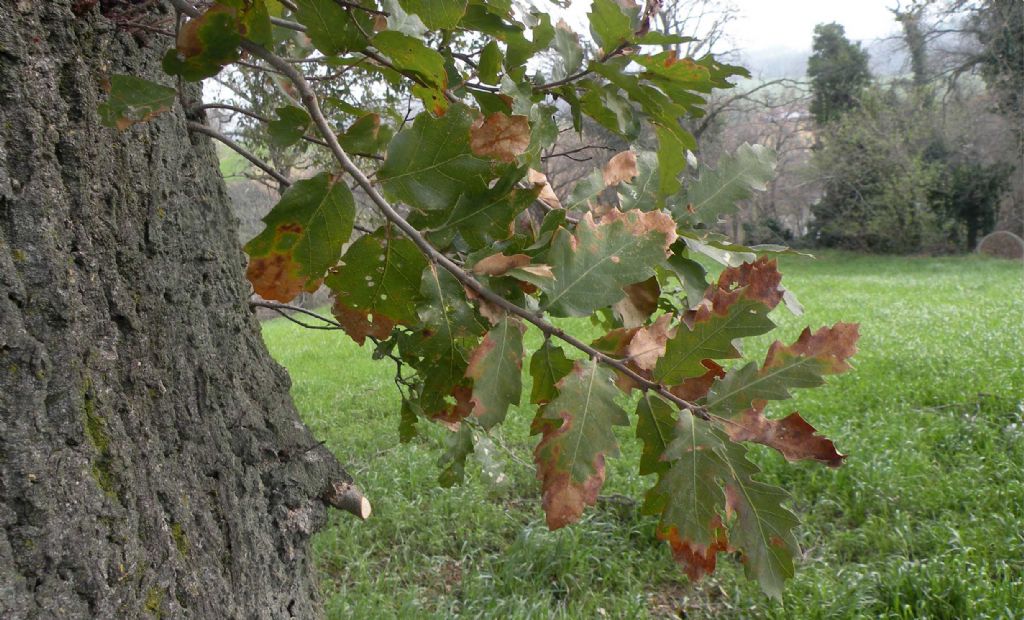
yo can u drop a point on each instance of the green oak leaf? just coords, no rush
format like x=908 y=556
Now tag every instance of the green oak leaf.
x=450 y=332
x=578 y=434
x=609 y=25
x=655 y=37
x=458 y=446
x=711 y=245
x=586 y=189
x=495 y=367
x=377 y=285
x=521 y=93
x=716 y=191
x=333 y=28
x=707 y=477
x=289 y=126
x=569 y=52
x=610 y=109
x=411 y=55
x=365 y=135
x=691 y=274
x=662 y=109
x=483 y=18
x=764 y=527
x=134 y=100
x=519 y=50
x=304 y=234
x=655 y=429
x=490 y=63
x=401 y=21
x=409 y=416
x=255 y=16
x=732 y=394
x=592 y=264
x=679 y=71
x=641 y=192
x=437 y=14
x=479 y=218
x=430 y=165
x=711 y=339
x=548 y=366
x=543 y=133
x=671 y=161
x=689 y=495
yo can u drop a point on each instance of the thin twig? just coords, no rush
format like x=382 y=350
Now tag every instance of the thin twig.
x=582 y=73
x=574 y=151
x=283 y=310
x=277 y=21
x=256 y=161
x=353 y=5
x=251 y=114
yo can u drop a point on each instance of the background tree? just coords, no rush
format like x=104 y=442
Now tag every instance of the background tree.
x=877 y=178
x=838 y=71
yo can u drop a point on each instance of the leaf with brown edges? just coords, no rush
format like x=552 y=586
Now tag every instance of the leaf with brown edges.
x=304 y=234
x=378 y=285
x=792 y=436
x=800 y=365
x=495 y=366
x=577 y=436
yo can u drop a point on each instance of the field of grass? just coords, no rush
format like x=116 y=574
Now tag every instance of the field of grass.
x=925 y=520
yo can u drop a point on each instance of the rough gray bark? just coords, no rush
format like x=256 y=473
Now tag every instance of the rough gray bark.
x=151 y=460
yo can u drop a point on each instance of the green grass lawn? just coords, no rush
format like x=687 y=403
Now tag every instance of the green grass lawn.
x=925 y=520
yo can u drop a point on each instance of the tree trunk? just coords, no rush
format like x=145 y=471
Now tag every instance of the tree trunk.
x=151 y=460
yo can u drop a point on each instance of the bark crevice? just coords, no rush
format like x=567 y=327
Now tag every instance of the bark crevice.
x=151 y=460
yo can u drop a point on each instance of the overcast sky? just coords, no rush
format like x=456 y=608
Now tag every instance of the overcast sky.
x=790 y=23
x=787 y=24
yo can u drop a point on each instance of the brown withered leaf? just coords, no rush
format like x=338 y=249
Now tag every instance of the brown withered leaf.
x=833 y=346
x=357 y=323
x=547 y=195
x=490 y=311
x=648 y=345
x=454 y=413
x=760 y=279
x=538 y=271
x=645 y=223
x=640 y=302
x=792 y=436
x=499 y=264
x=500 y=136
x=696 y=560
x=695 y=388
x=621 y=167
x=276 y=276
x=615 y=343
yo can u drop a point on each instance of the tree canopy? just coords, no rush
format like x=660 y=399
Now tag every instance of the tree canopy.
x=476 y=248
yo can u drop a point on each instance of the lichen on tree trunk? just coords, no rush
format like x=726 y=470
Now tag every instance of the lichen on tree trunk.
x=151 y=460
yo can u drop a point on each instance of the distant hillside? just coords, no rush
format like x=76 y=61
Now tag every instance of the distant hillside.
x=888 y=57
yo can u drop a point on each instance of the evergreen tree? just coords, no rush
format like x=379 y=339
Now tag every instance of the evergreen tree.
x=838 y=70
